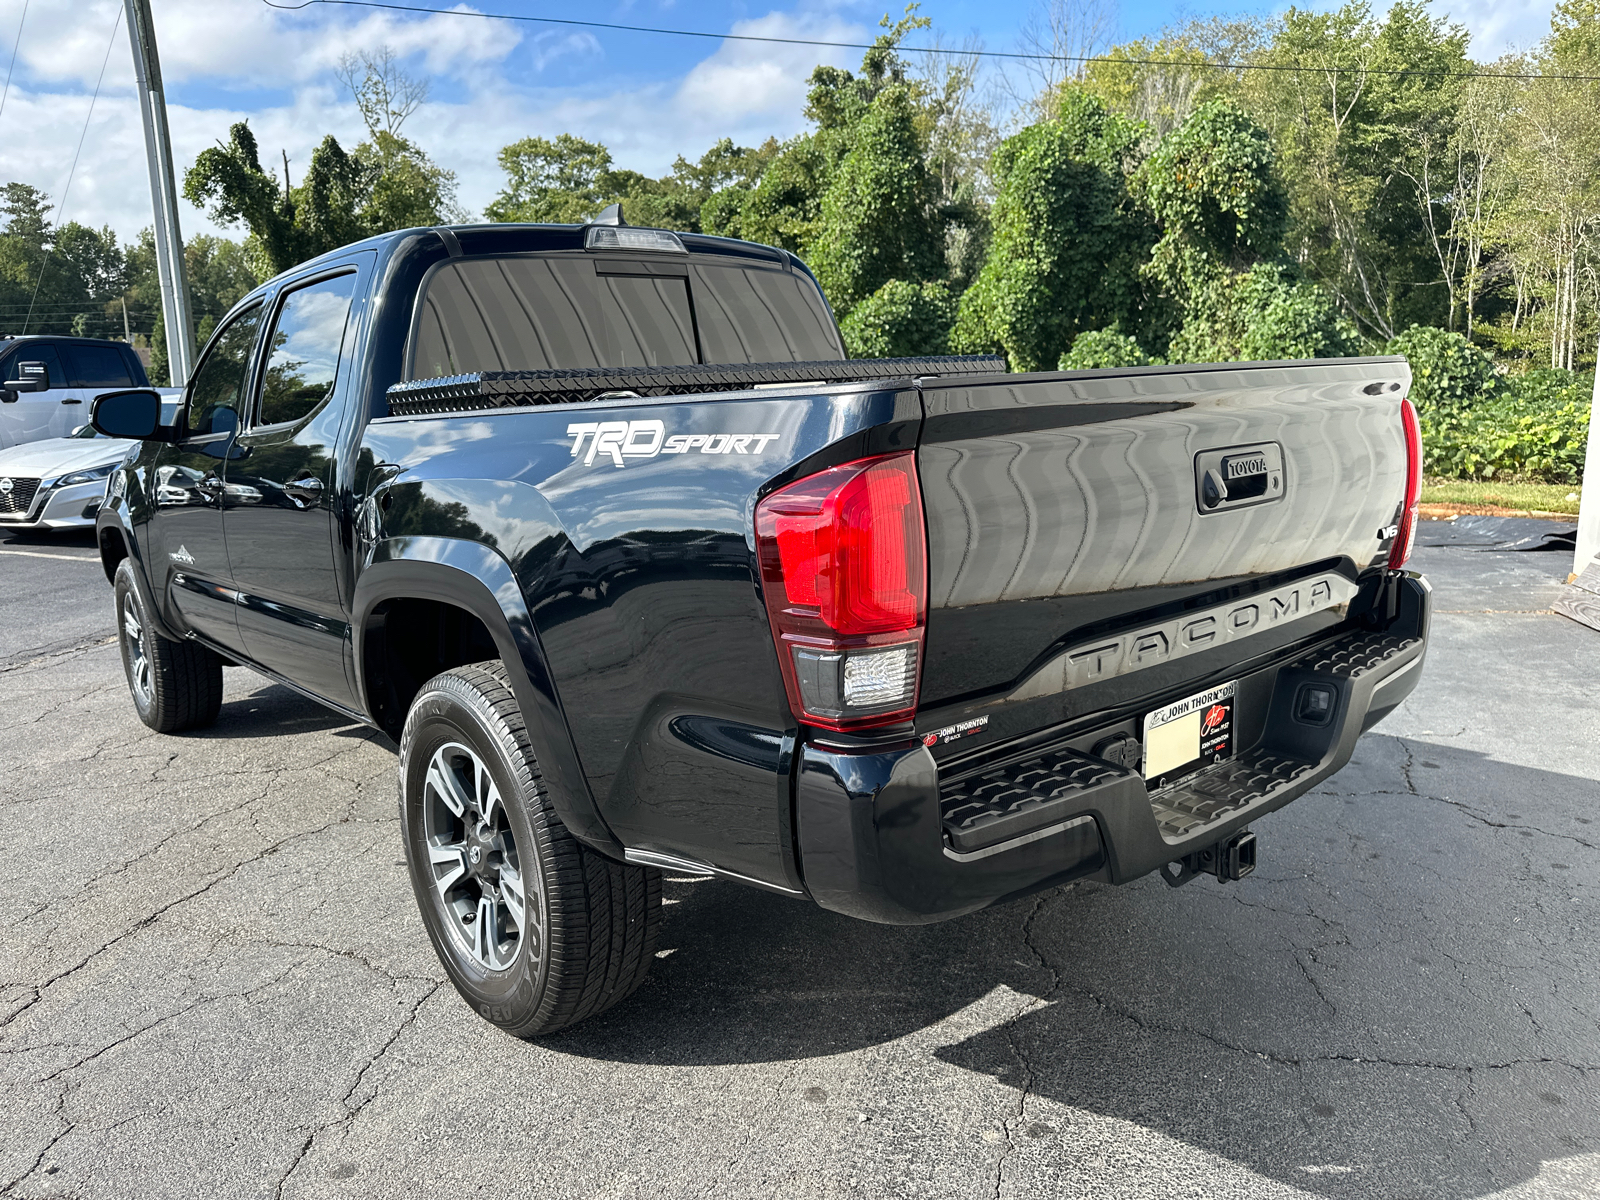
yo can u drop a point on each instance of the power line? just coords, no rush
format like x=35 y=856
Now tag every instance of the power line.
x=1016 y=55
x=62 y=207
x=14 y=50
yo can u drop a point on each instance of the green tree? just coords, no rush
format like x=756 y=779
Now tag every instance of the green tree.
x=407 y=188
x=1361 y=110
x=1217 y=199
x=1069 y=239
x=899 y=320
x=879 y=218
x=784 y=206
x=288 y=224
x=559 y=181
x=1099 y=349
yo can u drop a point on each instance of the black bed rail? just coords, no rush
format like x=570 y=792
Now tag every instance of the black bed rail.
x=518 y=389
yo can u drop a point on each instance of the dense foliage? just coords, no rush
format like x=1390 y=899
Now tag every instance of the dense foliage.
x=1534 y=428
x=1374 y=191
x=1104 y=349
x=900 y=319
x=1068 y=240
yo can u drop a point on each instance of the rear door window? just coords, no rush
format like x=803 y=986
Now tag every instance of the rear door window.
x=100 y=367
x=527 y=313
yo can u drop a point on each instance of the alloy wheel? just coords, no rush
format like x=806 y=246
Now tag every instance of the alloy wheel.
x=138 y=652
x=473 y=860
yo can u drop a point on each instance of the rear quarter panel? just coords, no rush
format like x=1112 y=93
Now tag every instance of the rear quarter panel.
x=643 y=586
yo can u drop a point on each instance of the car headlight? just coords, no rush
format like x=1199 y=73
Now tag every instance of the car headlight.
x=89 y=476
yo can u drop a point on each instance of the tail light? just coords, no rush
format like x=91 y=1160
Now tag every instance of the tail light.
x=1406 y=531
x=845 y=575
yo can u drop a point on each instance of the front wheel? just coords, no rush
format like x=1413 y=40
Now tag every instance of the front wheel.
x=536 y=931
x=175 y=685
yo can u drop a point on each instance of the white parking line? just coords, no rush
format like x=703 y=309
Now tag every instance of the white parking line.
x=62 y=557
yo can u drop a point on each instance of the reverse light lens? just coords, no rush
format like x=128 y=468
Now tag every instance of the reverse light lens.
x=1400 y=548
x=844 y=572
x=881 y=677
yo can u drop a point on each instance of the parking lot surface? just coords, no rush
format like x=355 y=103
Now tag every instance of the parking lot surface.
x=213 y=980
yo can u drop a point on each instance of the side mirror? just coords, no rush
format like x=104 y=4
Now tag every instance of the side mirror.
x=31 y=377
x=134 y=414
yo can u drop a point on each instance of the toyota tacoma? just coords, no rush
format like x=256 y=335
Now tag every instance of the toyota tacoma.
x=642 y=574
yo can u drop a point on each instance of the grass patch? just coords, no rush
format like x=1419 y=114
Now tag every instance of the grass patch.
x=1533 y=497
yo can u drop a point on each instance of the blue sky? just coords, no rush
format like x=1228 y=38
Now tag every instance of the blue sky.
x=647 y=97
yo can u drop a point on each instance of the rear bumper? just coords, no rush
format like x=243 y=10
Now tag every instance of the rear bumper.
x=877 y=833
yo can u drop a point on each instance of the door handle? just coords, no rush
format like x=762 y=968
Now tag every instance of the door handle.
x=210 y=485
x=307 y=490
x=72 y=402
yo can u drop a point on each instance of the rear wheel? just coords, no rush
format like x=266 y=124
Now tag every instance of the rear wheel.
x=536 y=931
x=175 y=685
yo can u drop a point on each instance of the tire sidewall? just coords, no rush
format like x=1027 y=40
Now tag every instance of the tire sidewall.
x=443 y=714
x=126 y=593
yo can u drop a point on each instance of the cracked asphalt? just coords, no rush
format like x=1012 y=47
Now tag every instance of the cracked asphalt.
x=213 y=981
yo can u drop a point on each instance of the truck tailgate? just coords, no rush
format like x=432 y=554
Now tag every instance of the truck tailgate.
x=1079 y=558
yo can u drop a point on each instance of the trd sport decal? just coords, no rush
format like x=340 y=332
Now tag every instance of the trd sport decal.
x=620 y=440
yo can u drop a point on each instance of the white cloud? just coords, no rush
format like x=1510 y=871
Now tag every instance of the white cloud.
x=245 y=44
x=762 y=77
x=744 y=90
x=1501 y=27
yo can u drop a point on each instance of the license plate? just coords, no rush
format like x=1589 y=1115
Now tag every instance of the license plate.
x=1193 y=733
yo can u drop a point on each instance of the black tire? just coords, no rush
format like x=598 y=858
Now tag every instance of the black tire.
x=175 y=685
x=589 y=925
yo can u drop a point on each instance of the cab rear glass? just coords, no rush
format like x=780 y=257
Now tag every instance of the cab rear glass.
x=521 y=313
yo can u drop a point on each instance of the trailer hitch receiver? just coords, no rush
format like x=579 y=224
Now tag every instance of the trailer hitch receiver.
x=1230 y=859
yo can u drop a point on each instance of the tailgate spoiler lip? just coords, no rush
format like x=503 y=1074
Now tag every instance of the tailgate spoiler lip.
x=955 y=382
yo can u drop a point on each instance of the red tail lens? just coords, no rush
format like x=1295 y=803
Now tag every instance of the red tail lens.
x=844 y=571
x=1400 y=548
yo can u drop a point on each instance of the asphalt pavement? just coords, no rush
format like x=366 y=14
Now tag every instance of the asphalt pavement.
x=54 y=593
x=213 y=981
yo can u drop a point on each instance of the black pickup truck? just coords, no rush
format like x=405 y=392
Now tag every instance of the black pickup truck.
x=641 y=574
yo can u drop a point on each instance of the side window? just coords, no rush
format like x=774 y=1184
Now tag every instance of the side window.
x=44 y=352
x=216 y=393
x=100 y=366
x=305 y=346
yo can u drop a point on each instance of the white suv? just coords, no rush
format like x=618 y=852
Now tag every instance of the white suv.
x=73 y=370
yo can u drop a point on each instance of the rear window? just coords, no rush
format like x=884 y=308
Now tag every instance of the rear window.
x=101 y=366
x=522 y=313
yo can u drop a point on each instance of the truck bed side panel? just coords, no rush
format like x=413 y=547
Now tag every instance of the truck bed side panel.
x=642 y=583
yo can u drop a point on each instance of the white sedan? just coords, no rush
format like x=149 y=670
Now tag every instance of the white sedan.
x=57 y=483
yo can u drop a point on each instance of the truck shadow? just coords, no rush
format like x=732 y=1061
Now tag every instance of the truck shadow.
x=1397 y=1003
x=272 y=710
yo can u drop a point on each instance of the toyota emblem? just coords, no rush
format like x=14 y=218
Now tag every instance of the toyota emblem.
x=5 y=487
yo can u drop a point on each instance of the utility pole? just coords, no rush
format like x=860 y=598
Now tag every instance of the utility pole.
x=163 y=192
